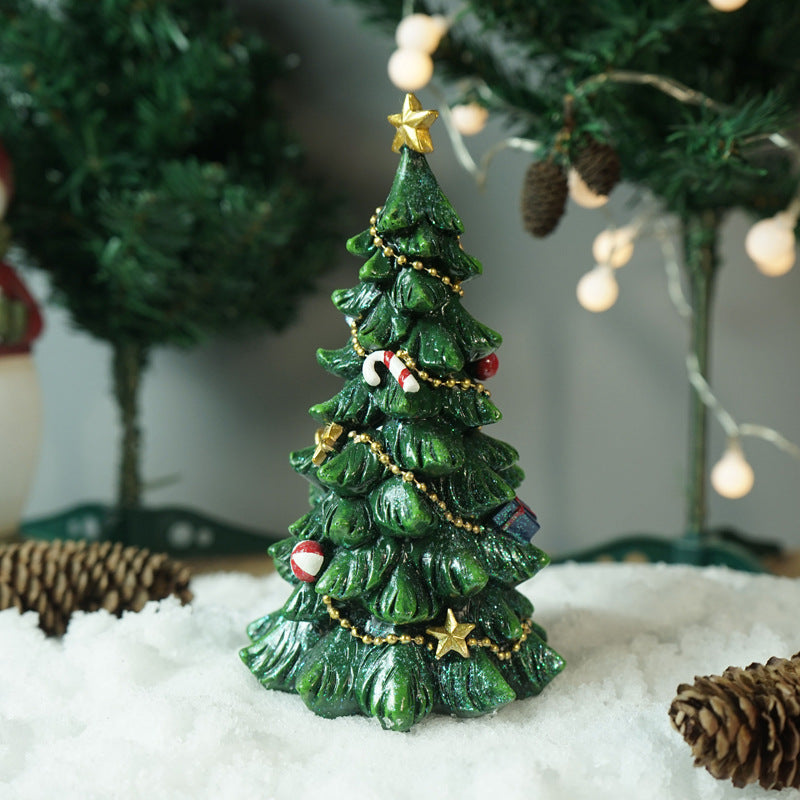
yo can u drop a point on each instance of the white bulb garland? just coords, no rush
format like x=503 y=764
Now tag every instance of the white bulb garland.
x=410 y=67
x=771 y=243
x=726 y=5
x=420 y=32
x=581 y=193
x=410 y=70
x=614 y=246
x=778 y=266
x=598 y=289
x=469 y=118
x=732 y=476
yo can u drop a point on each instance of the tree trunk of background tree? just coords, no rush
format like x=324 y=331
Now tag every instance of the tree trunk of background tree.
x=129 y=360
x=700 y=232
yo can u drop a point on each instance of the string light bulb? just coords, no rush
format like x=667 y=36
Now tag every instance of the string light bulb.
x=581 y=193
x=771 y=243
x=777 y=266
x=469 y=118
x=614 y=247
x=598 y=289
x=727 y=5
x=420 y=32
x=410 y=70
x=732 y=476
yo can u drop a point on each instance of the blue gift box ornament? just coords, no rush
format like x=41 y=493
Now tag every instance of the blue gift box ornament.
x=517 y=520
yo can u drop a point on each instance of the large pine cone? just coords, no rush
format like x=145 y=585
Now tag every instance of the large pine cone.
x=745 y=724
x=598 y=164
x=56 y=578
x=544 y=194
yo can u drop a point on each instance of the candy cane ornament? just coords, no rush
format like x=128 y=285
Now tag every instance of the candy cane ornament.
x=400 y=372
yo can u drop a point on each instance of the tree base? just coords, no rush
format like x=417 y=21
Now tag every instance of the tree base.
x=299 y=649
x=171 y=529
x=715 y=547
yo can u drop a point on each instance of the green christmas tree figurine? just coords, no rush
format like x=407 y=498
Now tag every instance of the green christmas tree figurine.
x=405 y=567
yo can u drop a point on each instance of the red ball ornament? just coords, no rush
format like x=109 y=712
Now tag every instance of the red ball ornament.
x=486 y=367
x=307 y=559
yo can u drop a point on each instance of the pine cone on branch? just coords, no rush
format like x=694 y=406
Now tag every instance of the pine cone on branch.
x=598 y=164
x=745 y=724
x=544 y=194
x=56 y=578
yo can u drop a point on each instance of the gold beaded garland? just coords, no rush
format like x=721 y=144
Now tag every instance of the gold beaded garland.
x=409 y=477
x=503 y=653
x=402 y=260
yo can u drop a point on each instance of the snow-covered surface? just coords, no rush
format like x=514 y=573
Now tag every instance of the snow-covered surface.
x=157 y=704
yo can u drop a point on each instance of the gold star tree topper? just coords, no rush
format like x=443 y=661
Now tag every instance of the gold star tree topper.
x=412 y=126
x=453 y=636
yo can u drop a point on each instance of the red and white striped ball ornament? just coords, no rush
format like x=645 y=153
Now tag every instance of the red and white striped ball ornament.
x=399 y=371
x=307 y=560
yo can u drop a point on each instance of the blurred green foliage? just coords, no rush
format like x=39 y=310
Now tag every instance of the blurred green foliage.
x=157 y=183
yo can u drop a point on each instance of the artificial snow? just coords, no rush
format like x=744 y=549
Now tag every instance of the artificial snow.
x=158 y=705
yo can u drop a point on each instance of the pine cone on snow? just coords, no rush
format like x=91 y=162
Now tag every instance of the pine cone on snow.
x=56 y=578
x=745 y=724
x=598 y=164
x=544 y=194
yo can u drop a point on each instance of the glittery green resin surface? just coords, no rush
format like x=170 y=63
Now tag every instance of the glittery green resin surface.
x=393 y=564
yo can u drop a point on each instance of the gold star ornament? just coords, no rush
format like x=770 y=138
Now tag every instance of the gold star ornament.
x=412 y=126
x=453 y=636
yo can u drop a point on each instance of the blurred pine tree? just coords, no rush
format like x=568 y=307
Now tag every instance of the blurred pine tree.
x=157 y=183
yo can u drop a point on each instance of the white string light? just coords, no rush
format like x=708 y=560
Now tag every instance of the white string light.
x=410 y=67
x=614 y=246
x=580 y=192
x=727 y=5
x=673 y=88
x=420 y=32
x=731 y=476
x=673 y=269
x=598 y=289
x=469 y=118
x=410 y=70
x=771 y=242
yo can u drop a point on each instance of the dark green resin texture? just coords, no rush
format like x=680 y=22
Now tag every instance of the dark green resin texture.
x=393 y=565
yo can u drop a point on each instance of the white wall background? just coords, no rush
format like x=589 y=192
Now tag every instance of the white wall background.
x=596 y=405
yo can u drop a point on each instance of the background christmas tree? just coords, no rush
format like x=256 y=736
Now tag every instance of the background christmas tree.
x=697 y=105
x=157 y=184
x=405 y=565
